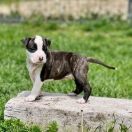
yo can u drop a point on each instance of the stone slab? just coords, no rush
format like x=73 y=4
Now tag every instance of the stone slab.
x=99 y=112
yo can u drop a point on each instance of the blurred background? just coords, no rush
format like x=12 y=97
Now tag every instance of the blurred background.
x=97 y=28
x=64 y=9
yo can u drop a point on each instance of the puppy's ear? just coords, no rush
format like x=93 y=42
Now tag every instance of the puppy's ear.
x=26 y=40
x=48 y=42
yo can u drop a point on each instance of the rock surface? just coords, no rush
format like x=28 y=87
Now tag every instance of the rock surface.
x=98 y=113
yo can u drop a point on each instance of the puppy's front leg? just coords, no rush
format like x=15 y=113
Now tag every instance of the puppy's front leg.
x=36 y=89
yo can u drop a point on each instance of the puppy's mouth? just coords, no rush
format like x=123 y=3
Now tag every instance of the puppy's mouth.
x=37 y=62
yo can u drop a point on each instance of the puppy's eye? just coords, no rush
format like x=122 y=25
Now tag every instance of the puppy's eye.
x=33 y=48
x=44 y=48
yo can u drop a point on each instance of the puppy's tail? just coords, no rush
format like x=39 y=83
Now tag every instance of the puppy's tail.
x=93 y=60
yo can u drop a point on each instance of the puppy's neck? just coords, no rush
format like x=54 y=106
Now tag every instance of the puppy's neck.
x=33 y=69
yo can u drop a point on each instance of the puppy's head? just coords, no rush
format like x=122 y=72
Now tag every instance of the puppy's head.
x=37 y=48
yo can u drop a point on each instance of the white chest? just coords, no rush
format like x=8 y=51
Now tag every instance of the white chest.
x=34 y=70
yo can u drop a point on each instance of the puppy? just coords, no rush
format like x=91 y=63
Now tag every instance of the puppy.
x=43 y=64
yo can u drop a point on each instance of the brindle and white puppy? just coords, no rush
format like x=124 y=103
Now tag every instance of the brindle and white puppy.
x=43 y=64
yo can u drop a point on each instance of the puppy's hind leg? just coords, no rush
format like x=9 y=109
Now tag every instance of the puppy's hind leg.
x=82 y=83
x=78 y=89
x=87 y=92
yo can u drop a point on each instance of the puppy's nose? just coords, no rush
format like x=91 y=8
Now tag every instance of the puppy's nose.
x=40 y=58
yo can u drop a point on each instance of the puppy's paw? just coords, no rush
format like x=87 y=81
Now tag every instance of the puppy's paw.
x=40 y=94
x=30 y=98
x=72 y=94
x=81 y=101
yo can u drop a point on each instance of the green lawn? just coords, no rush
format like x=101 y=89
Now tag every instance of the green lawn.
x=108 y=40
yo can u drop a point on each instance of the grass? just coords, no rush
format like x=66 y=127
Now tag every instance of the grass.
x=105 y=39
x=8 y=1
x=17 y=126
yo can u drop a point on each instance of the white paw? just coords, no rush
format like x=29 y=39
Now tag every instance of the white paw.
x=30 y=98
x=71 y=94
x=81 y=101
